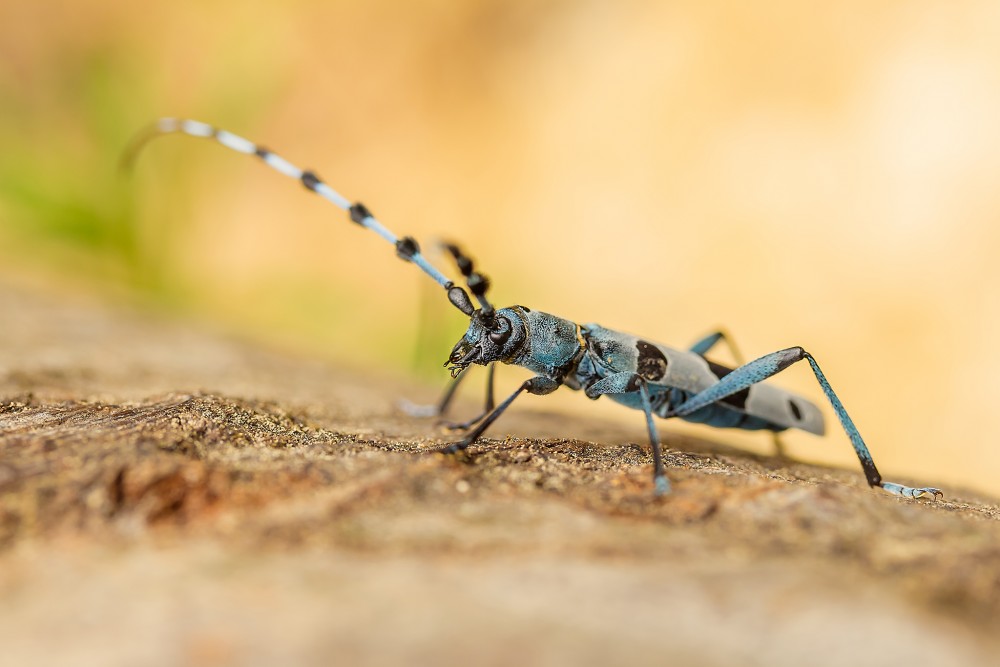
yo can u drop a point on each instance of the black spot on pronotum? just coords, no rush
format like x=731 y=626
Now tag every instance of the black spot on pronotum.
x=359 y=212
x=310 y=180
x=652 y=363
x=262 y=152
x=407 y=247
x=796 y=411
x=737 y=400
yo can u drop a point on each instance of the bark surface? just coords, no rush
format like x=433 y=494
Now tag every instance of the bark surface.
x=170 y=496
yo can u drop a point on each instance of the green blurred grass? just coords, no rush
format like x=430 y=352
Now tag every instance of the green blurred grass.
x=61 y=195
x=69 y=208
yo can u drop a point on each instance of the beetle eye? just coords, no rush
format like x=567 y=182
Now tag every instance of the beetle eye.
x=501 y=336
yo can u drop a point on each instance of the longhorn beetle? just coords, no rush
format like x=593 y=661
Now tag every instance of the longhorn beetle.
x=633 y=371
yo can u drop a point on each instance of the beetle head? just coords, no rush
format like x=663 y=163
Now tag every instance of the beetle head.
x=496 y=336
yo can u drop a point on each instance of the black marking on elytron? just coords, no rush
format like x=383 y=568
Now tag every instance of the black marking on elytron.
x=407 y=247
x=359 y=212
x=652 y=363
x=737 y=400
x=310 y=180
x=608 y=352
x=262 y=152
x=796 y=412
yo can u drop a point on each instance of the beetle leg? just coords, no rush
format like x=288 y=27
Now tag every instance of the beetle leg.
x=627 y=383
x=759 y=370
x=538 y=385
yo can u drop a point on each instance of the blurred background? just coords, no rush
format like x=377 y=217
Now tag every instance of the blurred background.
x=809 y=174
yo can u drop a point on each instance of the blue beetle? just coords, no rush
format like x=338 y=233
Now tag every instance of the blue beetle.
x=636 y=372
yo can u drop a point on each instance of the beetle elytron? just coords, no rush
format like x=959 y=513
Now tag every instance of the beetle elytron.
x=633 y=371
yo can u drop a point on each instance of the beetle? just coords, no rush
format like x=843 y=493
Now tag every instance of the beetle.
x=637 y=372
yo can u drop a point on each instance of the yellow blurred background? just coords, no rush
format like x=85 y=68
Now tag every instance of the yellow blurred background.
x=815 y=174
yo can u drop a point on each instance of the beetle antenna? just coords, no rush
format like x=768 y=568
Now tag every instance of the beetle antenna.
x=406 y=246
x=477 y=282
